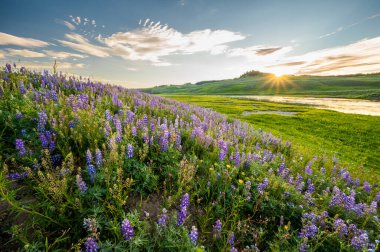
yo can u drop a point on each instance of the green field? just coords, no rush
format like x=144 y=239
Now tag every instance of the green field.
x=353 y=139
x=357 y=86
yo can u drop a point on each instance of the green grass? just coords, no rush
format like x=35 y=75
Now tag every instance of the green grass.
x=353 y=139
x=359 y=86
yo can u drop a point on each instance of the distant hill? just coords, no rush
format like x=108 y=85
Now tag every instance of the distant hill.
x=258 y=83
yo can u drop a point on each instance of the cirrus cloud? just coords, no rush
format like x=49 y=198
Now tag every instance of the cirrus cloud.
x=7 y=39
x=25 y=53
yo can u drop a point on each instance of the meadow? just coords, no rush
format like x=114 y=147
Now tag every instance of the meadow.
x=355 y=86
x=349 y=137
x=87 y=166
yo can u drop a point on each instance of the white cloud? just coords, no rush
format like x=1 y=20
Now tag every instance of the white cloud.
x=62 y=55
x=7 y=39
x=69 y=25
x=25 y=53
x=81 y=44
x=153 y=41
x=132 y=69
x=359 y=57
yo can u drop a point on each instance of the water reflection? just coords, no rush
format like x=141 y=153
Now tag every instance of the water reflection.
x=352 y=106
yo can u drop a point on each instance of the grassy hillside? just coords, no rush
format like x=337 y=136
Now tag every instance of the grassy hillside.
x=91 y=167
x=359 y=86
x=351 y=138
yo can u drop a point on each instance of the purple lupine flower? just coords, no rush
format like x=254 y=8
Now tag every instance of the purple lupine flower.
x=134 y=131
x=323 y=170
x=233 y=249
x=352 y=228
x=23 y=132
x=129 y=151
x=91 y=245
x=193 y=235
x=108 y=115
x=237 y=157
x=71 y=125
x=17 y=176
x=91 y=170
x=262 y=186
x=20 y=147
x=182 y=215
x=217 y=228
x=310 y=187
x=308 y=169
x=165 y=140
x=98 y=158
x=367 y=187
x=231 y=239
x=360 y=241
x=127 y=230
x=81 y=184
x=378 y=197
x=309 y=231
x=19 y=115
x=44 y=141
x=162 y=220
x=88 y=157
x=42 y=120
x=340 y=227
x=8 y=68
x=303 y=247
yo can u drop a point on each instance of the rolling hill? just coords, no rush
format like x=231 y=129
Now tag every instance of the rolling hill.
x=351 y=86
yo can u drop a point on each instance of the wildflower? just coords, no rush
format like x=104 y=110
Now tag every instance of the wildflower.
x=241 y=181
x=360 y=241
x=194 y=235
x=185 y=201
x=19 y=115
x=308 y=169
x=91 y=245
x=129 y=151
x=340 y=227
x=81 y=184
x=303 y=247
x=71 y=125
x=42 y=120
x=231 y=239
x=127 y=230
x=165 y=140
x=17 y=176
x=228 y=166
x=20 y=147
x=217 y=229
x=162 y=220
x=98 y=158
x=262 y=186
x=310 y=230
x=367 y=187
x=88 y=157
x=91 y=170
x=108 y=115
x=233 y=249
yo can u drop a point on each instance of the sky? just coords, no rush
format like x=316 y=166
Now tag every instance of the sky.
x=142 y=43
